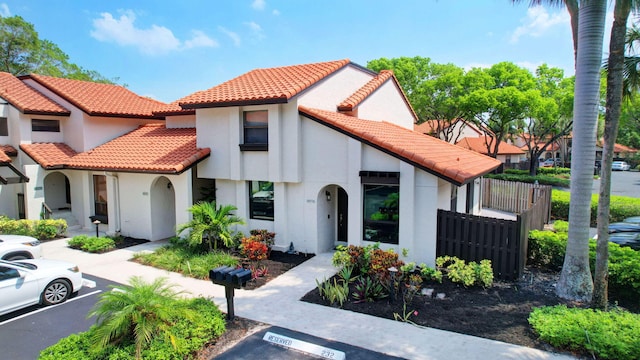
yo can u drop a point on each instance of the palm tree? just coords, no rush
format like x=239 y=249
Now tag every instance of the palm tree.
x=137 y=313
x=211 y=223
x=616 y=88
x=575 y=278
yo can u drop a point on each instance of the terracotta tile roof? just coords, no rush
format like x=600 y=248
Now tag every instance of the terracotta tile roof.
x=260 y=86
x=49 y=155
x=150 y=148
x=27 y=99
x=479 y=145
x=5 y=152
x=356 y=98
x=100 y=99
x=428 y=127
x=623 y=148
x=435 y=156
x=173 y=109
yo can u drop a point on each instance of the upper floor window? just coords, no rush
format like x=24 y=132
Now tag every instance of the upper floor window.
x=256 y=130
x=4 y=127
x=45 y=125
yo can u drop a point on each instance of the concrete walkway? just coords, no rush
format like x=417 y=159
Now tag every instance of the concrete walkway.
x=277 y=304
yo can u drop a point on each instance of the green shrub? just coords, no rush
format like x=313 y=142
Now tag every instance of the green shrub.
x=621 y=207
x=561 y=226
x=335 y=293
x=554 y=171
x=91 y=244
x=546 y=249
x=186 y=260
x=190 y=336
x=368 y=290
x=607 y=335
x=40 y=229
x=459 y=271
x=541 y=179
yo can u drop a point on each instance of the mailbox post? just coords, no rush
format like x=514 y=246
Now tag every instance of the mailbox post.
x=231 y=279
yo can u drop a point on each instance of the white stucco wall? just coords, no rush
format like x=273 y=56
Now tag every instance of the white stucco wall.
x=331 y=91
x=180 y=121
x=387 y=103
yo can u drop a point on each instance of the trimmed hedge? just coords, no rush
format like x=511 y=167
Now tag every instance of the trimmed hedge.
x=547 y=250
x=541 y=179
x=190 y=336
x=40 y=229
x=92 y=244
x=621 y=207
x=607 y=335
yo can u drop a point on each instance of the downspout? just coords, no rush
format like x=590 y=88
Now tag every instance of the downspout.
x=116 y=190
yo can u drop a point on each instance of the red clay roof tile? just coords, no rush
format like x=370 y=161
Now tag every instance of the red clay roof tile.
x=5 y=152
x=270 y=85
x=27 y=99
x=150 y=148
x=356 y=98
x=98 y=99
x=479 y=145
x=435 y=156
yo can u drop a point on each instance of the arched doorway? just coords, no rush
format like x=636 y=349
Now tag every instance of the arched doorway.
x=332 y=211
x=57 y=191
x=163 y=209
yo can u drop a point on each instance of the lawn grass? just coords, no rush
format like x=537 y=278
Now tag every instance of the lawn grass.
x=186 y=261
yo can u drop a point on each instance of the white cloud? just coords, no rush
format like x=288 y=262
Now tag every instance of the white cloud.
x=200 y=39
x=152 y=41
x=538 y=21
x=256 y=29
x=234 y=36
x=275 y=12
x=258 y=4
x=4 y=10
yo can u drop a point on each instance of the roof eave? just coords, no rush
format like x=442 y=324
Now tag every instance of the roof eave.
x=278 y=100
x=454 y=181
x=41 y=112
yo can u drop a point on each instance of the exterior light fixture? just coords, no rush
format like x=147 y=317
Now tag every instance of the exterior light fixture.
x=97 y=223
x=328 y=195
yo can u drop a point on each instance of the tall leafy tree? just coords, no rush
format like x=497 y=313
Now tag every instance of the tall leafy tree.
x=23 y=52
x=504 y=96
x=434 y=90
x=552 y=120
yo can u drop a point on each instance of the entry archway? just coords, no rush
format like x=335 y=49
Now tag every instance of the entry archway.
x=332 y=217
x=163 y=209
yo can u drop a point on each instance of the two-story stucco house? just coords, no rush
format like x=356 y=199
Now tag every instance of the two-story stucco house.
x=322 y=154
x=325 y=154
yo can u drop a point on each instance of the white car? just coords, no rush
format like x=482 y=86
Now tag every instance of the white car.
x=36 y=281
x=18 y=247
x=620 y=166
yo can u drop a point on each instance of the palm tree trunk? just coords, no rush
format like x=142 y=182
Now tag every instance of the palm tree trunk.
x=575 y=281
x=612 y=117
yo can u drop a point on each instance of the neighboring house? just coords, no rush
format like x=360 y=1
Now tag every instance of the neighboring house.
x=619 y=151
x=322 y=154
x=508 y=154
x=286 y=150
x=450 y=131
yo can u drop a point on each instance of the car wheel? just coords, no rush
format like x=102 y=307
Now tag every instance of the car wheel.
x=56 y=292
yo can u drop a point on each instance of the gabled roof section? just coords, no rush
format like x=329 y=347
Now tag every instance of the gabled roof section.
x=352 y=102
x=27 y=99
x=447 y=161
x=263 y=86
x=356 y=98
x=98 y=99
x=5 y=152
x=173 y=109
x=148 y=149
x=479 y=145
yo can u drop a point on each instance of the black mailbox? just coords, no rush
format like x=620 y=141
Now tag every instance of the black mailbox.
x=230 y=278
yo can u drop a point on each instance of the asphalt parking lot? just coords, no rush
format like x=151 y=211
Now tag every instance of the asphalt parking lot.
x=24 y=333
x=623 y=183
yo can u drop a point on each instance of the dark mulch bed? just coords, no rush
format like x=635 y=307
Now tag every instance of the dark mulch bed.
x=498 y=313
x=278 y=263
x=126 y=242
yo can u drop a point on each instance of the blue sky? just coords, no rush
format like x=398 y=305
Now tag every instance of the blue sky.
x=169 y=49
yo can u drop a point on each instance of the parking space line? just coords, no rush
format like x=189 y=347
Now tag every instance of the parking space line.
x=50 y=307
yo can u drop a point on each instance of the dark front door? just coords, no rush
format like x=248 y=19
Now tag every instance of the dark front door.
x=343 y=207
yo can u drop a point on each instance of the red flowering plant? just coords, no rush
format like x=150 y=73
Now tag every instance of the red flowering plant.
x=253 y=249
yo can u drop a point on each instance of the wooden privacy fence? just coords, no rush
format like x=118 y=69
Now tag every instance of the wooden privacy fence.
x=516 y=197
x=474 y=238
x=504 y=242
